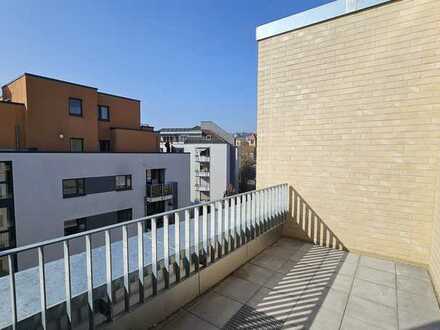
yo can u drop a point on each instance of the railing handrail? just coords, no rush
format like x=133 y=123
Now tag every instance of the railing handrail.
x=122 y=224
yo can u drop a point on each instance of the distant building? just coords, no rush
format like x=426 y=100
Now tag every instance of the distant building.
x=74 y=159
x=247 y=149
x=214 y=158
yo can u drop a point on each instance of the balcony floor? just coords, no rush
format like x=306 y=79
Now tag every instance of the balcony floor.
x=296 y=285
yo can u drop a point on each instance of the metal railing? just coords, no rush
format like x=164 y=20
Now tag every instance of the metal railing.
x=203 y=159
x=199 y=236
x=159 y=190
x=203 y=173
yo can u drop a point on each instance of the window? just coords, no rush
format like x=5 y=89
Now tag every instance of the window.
x=75 y=226
x=123 y=182
x=76 y=145
x=75 y=107
x=103 y=113
x=124 y=215
x=73 y=188
x=5 y=180
x=104 y=145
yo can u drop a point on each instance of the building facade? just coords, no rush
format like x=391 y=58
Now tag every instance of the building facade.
x=45 y=114
x=74 y=159
x=214 y=158
x=349 y=116
x=48 y=195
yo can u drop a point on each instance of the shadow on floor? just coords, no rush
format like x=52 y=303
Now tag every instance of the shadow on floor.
x=294 y=296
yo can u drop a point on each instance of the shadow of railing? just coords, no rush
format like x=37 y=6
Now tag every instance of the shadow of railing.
x=293 y=298
x=308 y=225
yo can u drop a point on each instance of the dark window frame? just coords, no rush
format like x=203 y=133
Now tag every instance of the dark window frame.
x=100 y=118
x=78 y=193
x=128 y=183
x=81 y=107
x=79 y=139
x=105 y=142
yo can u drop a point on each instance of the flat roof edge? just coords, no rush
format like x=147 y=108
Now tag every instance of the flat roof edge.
x=315 y=15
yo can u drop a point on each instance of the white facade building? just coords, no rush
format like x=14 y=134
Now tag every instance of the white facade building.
x=214 y=158
x=56 y=194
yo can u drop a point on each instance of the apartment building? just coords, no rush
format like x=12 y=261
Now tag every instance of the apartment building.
x=41 y=113
x=73 y=159
x=214 y=158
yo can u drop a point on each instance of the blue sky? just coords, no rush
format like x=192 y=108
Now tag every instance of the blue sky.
x=185 y=60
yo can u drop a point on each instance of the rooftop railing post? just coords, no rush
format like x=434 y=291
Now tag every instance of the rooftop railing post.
x=227 y=232
x=140 y=252
x=253 y=217
x=42 y=278
x=220 y=230
x=67 y=283
x=154 y=277
x=177 y=246
x=233 y=225
x=89 y=268
x=212 y=227
x=13 y=291
x=187 y=260
x=125 y=261
x=166 y=252
x=238 y=222
x=205 y=234
x=196 y=239
x=109 y=273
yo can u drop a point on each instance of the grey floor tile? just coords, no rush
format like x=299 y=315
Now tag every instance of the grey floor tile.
x=249 y=318
x=237 y=289
x=186 y=321
x=350 y=323
x=327 y=298
x=292 y=283
x=379 y=264
x=412 y=272
x=414 y=285
x=348 y=268
x=273 y=303
x=279 y=252
x=325 y=319
x=334 y=281
x=215 y=308
x=300 y=266
x=269 y=261
x=254 y=273
x=417 y=302
x=376 y=276
x=423 y=320
x=379 y=293
x=370 y=312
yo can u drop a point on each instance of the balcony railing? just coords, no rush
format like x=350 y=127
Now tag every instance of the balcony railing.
x=202 y=187
x=108 y=281
x=203 y=173
x=203 y=159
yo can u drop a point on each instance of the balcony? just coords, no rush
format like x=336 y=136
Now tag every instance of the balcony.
x=203 y=159
x=203 y=174
x=159 y=192
x=202 y=187
x=217 y=265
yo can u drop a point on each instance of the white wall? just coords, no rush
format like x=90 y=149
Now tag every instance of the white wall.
x=40 y=210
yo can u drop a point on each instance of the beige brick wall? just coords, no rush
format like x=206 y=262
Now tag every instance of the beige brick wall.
x=349 y=116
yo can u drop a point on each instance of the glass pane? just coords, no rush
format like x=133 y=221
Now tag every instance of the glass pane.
x=76 y=145
x=104 y=113
x=4 y=191
x=4 y=220
x=80 y=185
x=4 y=240
x=69 y=187
x=75 y=107
x=4 y=169
x=120 y=181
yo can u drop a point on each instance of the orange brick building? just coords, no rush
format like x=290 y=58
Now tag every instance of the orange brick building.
x=44 y=114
